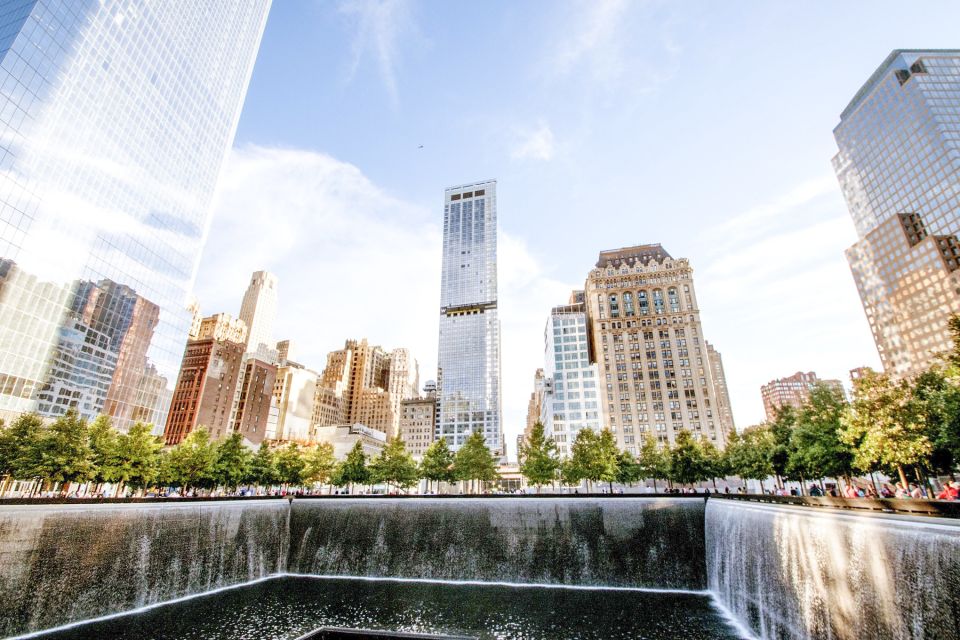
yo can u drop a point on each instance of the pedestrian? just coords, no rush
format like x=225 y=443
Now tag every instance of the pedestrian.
x=815 y=491
x=915 y=492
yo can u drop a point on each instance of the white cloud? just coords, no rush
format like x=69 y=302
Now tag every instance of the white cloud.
x=534 y=144
x=354 y=261
x=380 y=24
x=596 y=39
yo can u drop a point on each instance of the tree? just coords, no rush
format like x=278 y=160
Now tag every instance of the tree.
x=595 y=456
x=538 y=458
x=748 y=454
x=20 y=451
x=320 y=464
x=104 y=450
x=139 y=457
x=437 y=463
x=65 y=451
x=232 y=466
x=395 y=466
x=882 y=428
x=715 y=462
x=263 y=471
x=651 y=461
x=628 y=470
x=781 y=429
x=290 y=464
x=816 y=449
x=569 y=473
x=474 y=461
x=935 y=400
x=687 y=464
x=353 y=470
x=192 y=461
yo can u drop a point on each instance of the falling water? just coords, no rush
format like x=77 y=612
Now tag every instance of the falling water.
x=62 y=563
x=796 y=573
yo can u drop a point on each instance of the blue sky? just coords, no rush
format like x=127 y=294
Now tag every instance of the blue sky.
x=706 y=126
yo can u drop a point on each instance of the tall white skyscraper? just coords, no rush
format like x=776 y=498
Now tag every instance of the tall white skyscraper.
x=468 y=382
x=115 y=118
x=259 y=310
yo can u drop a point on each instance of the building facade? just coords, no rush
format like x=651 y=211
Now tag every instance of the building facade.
x=724 y=409
x=205 y=387
x=344 y=437
x=253 y=413
x=468 y=369
x=534 y=405
x=646 y=336
x=898 y=164
x=571 y=399
x=115 y=120
x=418 y=422
x=294 y=392
x=258 y=310
x=793 y=391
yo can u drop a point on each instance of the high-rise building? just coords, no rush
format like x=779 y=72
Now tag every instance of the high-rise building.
x=253 y=413
x=723 y=393
x=792 y=391
x=115 y=118
x=418 y=421
x=468 y=371
x=646 y=337
x=363 y=383
x=570 y=399
x=898 y=163
x=534 y=404
x=205 y=386
x=293 y=395
x=259 y=310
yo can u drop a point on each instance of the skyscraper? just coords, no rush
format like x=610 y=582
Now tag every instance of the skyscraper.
x=115 y=118
x=647 y=339
x=468 y=375
x=898 y=165
x=792 y=391
x=259 y=310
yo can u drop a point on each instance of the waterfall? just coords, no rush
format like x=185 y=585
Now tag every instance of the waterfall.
x=797 y=573
x=641 y=542
x=63 y=563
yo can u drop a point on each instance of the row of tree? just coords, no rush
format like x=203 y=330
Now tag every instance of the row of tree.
x=906 y=428
x=71 y=451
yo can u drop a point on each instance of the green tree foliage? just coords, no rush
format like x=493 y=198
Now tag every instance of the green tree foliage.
x=232 y=466
x=290 y=464
x=104 y=450
x=192 y=461
x=687 y=463
x=715 y=462
x=353 y=470
x=816 y=449
x=394 y=466
x=595 y=456
x=320 y=464
x=652 y=462
x=935 y=402
x=882 y=428
x=65 y=450
x=21 y=455
x=538 y=458
x=474 y=461
x=748 y=454
x=569 y=473
x=781 y=429
x=628 y=470
x=139 y=456
x=263 y=470
x=438 y=462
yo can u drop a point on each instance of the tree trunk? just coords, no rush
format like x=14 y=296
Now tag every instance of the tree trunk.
x=715 y=486
x=762 y=490
x=873 y=481
x=903 y=477
x=655 y=486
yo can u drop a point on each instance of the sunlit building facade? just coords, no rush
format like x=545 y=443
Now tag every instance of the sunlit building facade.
x=115 y=118
x=647 y=339
x=468 y=372
x=792 y=391
x=898 y=165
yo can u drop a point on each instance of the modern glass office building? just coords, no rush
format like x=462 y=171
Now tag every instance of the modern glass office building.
x=468 y=384
x=899 y=167
x=115 y=118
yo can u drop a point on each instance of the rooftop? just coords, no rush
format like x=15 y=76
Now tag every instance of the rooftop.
x=643 y=253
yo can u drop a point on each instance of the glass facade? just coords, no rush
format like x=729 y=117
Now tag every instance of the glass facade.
x=898 y=164
x=570 y=402
x=115 y=118
x=468 y=382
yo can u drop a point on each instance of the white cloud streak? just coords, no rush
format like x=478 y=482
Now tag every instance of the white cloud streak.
x=379 y=27
x=535 y=143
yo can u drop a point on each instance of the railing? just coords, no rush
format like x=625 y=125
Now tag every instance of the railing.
x=937 y=508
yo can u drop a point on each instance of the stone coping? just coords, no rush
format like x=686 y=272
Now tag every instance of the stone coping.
x=929 y=508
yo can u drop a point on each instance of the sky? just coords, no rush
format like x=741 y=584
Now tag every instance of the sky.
x=705 y=126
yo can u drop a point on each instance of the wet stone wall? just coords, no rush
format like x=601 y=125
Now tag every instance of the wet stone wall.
x=63 y=563
x=641 y=542
x=795 y=573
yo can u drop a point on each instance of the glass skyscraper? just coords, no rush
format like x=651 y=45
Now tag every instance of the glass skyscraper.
x=899 y=168
x=468 y=384
x=115 y=118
